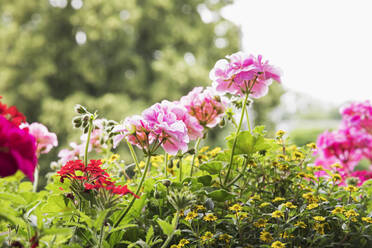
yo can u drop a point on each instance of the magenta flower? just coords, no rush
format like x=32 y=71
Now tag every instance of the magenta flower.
x=244 y=72
x=206 y=106
x=45 y=140
x=358 y=115
x=362 y=176
x=17 y=150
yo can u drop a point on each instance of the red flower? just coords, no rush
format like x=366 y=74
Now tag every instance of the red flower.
x=12 y=114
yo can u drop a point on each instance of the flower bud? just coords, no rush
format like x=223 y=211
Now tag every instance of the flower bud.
x=80 y=109
x=76 y=122
x=166 y=183
x=170 y=164
x=222 y=122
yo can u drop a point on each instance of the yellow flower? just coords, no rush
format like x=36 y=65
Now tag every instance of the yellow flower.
x=337 y=166
x=312 y=205
x=301 y=174
x=266 y=236
x=281 y=157
x=301 y=224
x=319 y=218
x=225 y=237
x=319 y=228
x=277 y=244
x=214 y=152
x=351 y=213
x=236 y=208
x=277 y=214
x=283 y=167
x=311 y=145
x=142 y=164
x=203 y=149
x=290 y=205
x=243 y=215
x=255 y=197
x=322 y=198
x=278 y=199
x=298 y=155
x=311 y=176
x=279 y=133
x=210 y=217
x=260 y=223
x=338 y=210
x=336 y=177
x=183 y=242
x=285 y=235
x=113 y=158
x=318 y=168
x=182 y=213
x=310 y=197
x=174 y=246
x=191 y=215
x=264 y=204
x=207 y=236
x=351 y=188
x=367 y=219
x=199 y=208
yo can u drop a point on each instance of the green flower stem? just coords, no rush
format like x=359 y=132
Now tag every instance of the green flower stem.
x=101 y=235
x=134 y=156
x=195 y=155
x=240 y=175
x=247 y=116
x=236 y=137
x=166 y=164
x=36 y=178
x=88 y=139
x=180 y=169
x=169 y=238
x=137 y=192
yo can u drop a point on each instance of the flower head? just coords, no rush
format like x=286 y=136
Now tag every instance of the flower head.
x=242 y=72
x=277 y=244
x=266 y=236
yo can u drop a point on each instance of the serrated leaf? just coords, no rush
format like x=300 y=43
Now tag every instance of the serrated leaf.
x=149 y=234
x=166 y=227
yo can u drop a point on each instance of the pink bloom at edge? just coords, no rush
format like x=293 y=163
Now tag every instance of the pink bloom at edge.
x=45 y=140
x=66 y=155
x=17 y=150
x=236 y=76
x=206 y=106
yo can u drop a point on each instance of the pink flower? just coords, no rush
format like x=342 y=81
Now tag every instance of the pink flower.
x=362 y=176
x=243 y=72
x=96 y=136
x=45 y=140
x=358 y=115
x=206 y=106
x=17 y=150
x=66 y=155
x=171 y=133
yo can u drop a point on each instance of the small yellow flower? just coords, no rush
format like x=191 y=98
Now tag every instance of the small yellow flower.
x=351 y=188
x=285 y=235
x=290 y=205
x=311 y=145
x=337 y=166
x=199 y=208
x=113 y=158
x=318 y=168
x=310 y=197
x=174 y=246
x=142 y=164
x=181 y=213
x=367 y=219
x=281 y=157
x=312 y=206
x=319 y=228
x=279 y=133
x=298 y=155
x=225 y=237
x=322 y=198
x=351 y=213
x=338 y=210
x=311 y=176
x=301 y=174
x=266 y=236
x=275 y=163
x=191 y=215
x=277 y=244
x=243 y=215
x=207 y=236
x=214 y=152
x=260 y=223
x=300 y=224
x=183 y=242
x=264 y=204
x=255 y=197
x=210 y=217
x=236 y=208
x=278 y=199
x=319 y=218
x=336 y=177
x=283 y=167
x=203 y=149
x=277 y=214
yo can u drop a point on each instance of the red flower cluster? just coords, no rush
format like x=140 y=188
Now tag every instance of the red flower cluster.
x=12 y=114
x=92 y=176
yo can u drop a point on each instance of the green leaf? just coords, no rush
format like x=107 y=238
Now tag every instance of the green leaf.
x=149 y=234
x=248 y=143
x=221 y=195
x=122 y=227
x=166 y=227
x=205 y=180
x=57 y=231
x=55 y=204
x=101 y=218
x=212 y=168
x=13 y=198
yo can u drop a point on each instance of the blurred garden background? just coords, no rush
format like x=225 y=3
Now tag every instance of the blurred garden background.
x=119 y=57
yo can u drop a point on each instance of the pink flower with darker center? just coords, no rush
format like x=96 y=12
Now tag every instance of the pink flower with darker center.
x=45 y=140
x=17 y=150
x=244 y=72
x=206 y=106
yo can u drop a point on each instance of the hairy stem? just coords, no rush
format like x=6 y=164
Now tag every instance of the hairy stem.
x=88 y=139
x=134 y=156
x=36 y=179
x=195 y=155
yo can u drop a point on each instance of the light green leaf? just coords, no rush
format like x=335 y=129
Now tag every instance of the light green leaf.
x=166 y=227
x=212 y=168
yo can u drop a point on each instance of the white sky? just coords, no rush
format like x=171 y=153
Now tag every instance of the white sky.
x=324 y=47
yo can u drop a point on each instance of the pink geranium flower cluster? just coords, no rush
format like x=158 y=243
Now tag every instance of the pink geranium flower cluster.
x=350 y=143
x=241 y=73
x=45 y=140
